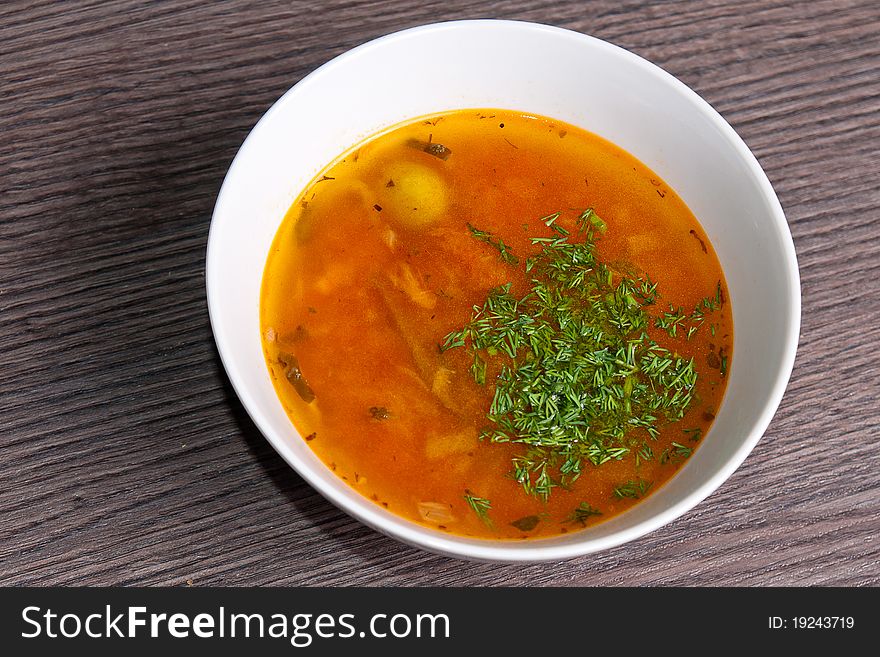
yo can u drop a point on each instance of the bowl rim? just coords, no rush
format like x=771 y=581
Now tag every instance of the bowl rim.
x=503 y=550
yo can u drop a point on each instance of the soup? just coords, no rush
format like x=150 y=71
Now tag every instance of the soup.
x=495 y=324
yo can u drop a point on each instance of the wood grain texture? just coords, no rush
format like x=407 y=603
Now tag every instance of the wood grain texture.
x=126 y=458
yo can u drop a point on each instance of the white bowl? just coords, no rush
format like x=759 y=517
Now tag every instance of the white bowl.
x=560 y=74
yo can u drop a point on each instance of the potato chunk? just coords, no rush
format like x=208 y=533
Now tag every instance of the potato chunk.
x=416 y=194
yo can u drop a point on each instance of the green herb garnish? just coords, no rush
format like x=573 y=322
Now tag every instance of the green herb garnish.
x=632 y=489
x=578 y=372
x=644 y=453
x=676 y=453
x=671 y=320
x=478 y=369
x=704 y=306
x=504 y=251
x=675 y=317
x=680 y=451
x=583 y=513
x=479 y=505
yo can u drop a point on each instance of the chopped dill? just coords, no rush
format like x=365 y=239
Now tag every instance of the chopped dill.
x=676 y=453
x=503 y=250
x=644 y=453
x=479 y=505
x=681 y=451
x=579 y=377
x=647 y=293
x=478 y=369
x=582 y=514
x=671 y=320
x=694 y=435
x=709 y=304
x=454 y=339
x=632 y=489
x=674 y=318
x=580 y=382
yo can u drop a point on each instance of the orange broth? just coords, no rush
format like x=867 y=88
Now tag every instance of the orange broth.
x=374 y=265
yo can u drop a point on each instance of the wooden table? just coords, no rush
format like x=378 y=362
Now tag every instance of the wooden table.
x=126 y=457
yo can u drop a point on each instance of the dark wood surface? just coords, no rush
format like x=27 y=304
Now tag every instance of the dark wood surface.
x=125 y=458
